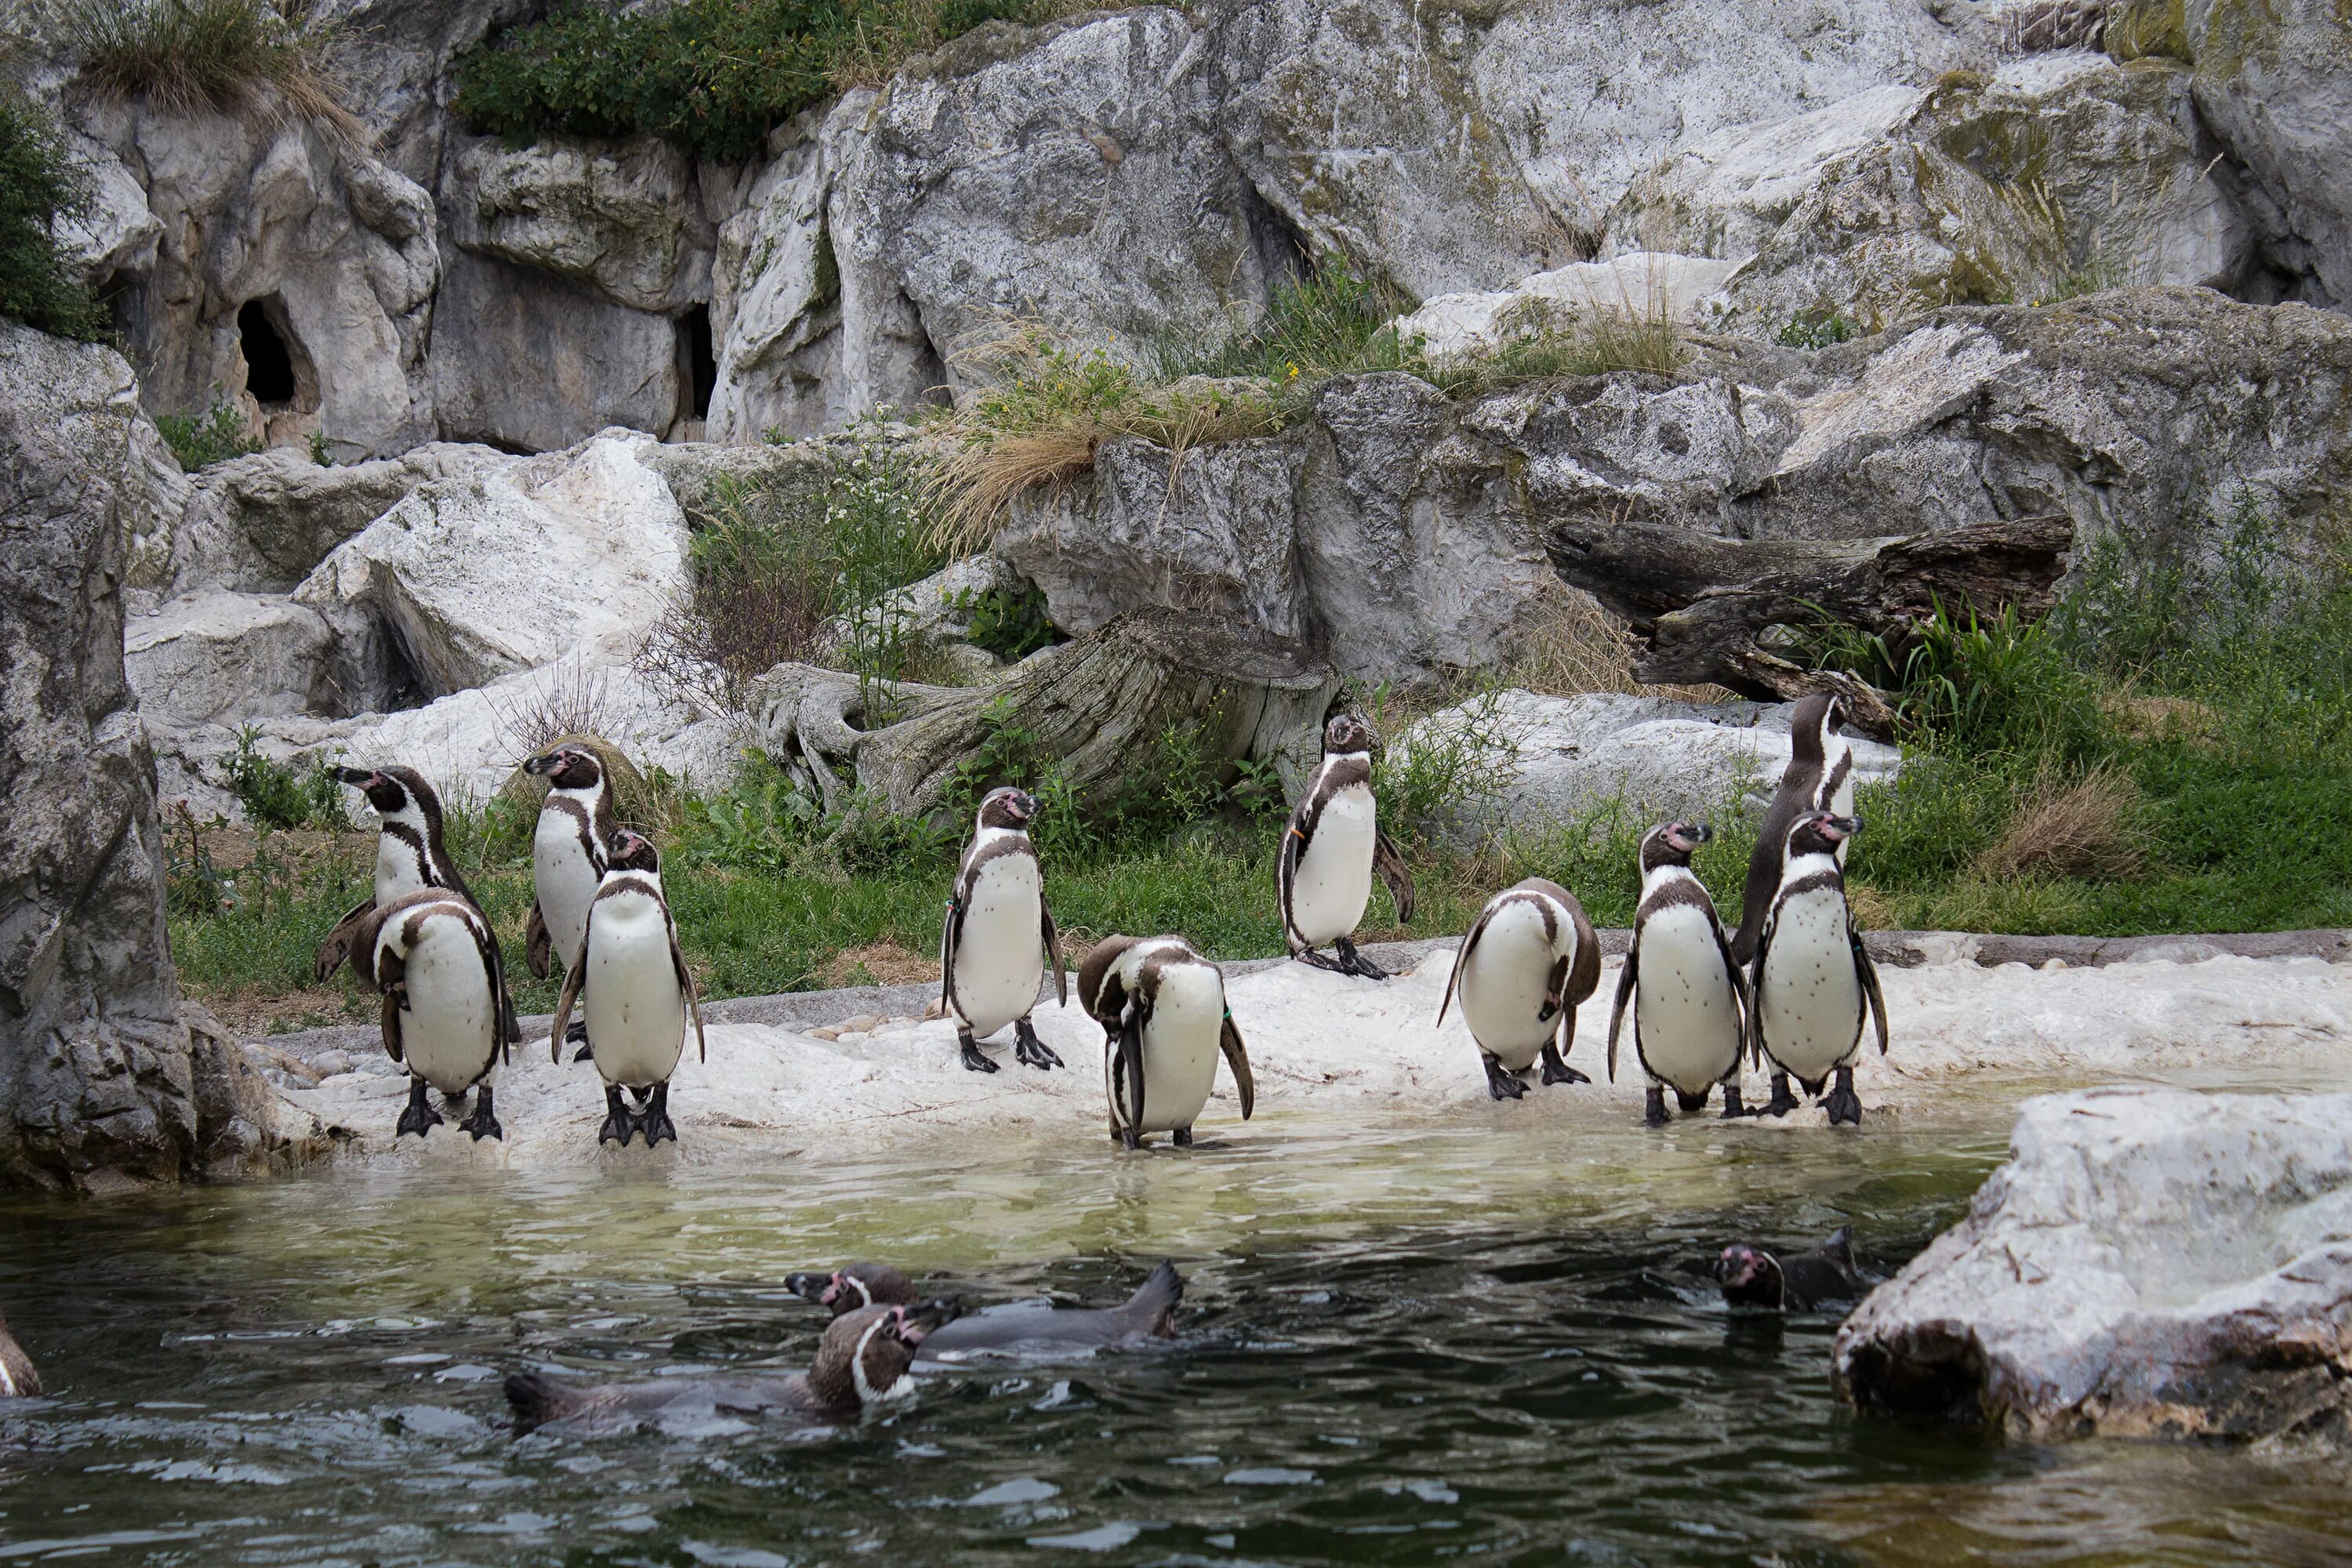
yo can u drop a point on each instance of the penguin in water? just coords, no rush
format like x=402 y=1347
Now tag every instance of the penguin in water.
x=639 y=993
x=1526 y=966
x=1815 y=985
x=1751 y=1277
x=567 y=857
x=431 y=956
x=1690 y=999
x=1144 y=1321
x=998 y=936
x=1819 y=777
x=1164 y=1018
x=1329 y=851
x=863 y=1365
x=19 y=1379
x=409 y=857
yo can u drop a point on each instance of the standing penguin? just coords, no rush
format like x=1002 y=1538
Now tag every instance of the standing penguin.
x=998 y=936
x=1527 y=964
x=567 y=857
x=1815 y=985
x=639 y=993
x=1329 y=851
x=409 y=857
x=1819 y=777
x=1164 y=1018
x=1690 y=1000
x=431 y=956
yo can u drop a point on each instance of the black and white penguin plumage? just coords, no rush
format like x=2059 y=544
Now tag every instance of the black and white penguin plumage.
x=638 y=992
x=567 y=853
x=430 y=954
x=999 y=935
x=1689 y=998
x=19 y=1379
x=409 y=857
x=1528 y=962
x=1164 y=1018
x=1815 y=985
x=1330 y=849
x=1819 y=777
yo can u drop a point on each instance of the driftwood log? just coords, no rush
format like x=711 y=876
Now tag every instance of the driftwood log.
x=1703 y=607
x=1095 y=710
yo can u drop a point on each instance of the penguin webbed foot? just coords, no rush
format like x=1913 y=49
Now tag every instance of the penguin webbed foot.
x=1314 y=960
x=1031 y=1051
x=1844 y=1105
x=1182 y=1137
x=1653 y=1107
x=1732 y=1109
x=1555 y=1070
x=654 y=1120
x=1782 y=1102
x=577 y=1035
x=1129 y=1139
x=420 y=1118
x=1356 y=962
x=972 y=1060
x=619 y=1122
x=484 y=1122
x=1502 y=1083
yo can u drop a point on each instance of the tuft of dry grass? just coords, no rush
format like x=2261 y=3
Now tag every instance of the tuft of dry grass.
x=1578 y=648
x=878 y=963
x=2071 y=827
x=565 y=701
x=2162 y=717
x=1873 y=911
x=262 y=57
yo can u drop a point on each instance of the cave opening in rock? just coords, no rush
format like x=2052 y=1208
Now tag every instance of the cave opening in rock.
x=698 y=365
x=268 y=361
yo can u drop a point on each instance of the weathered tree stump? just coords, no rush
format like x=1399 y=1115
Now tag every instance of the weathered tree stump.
x=1702 y=604
x=1093 y=709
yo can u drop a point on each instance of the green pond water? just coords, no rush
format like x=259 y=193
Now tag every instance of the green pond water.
x=1487 y=1344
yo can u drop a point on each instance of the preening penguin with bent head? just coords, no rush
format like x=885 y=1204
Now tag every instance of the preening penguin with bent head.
x=999 y=935
x=1815 y=983
x=639 y=992
x=1690 y=999
x=1164 y=1018
x=431 y=956
x=1527 y=966
x=1331 y=848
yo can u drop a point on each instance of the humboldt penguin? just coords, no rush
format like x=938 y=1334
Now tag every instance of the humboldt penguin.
x=1330 y=849
x=409 y=856
x=431 y=956
x=1164 y=1018
x=1751 y=1277
x=19 y=1379
x=1015 y=1329
x=998 y=936
x=639 y=993
x=1690 y=1000
x=863 y=1365
x=1532 y=959
x=1819 y=777
x=1815 y=985
x=567 y=855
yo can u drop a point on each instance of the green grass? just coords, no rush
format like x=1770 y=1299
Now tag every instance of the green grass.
x=39 y=181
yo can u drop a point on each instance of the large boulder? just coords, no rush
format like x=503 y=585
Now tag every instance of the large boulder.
x=2149 y=1263
x=228 y=659
x=621 y=217
x=101 y=1077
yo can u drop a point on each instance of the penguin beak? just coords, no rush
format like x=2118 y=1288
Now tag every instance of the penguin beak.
x=537 y=766
x=1024 y=805
x=359 y=778
x=1737 y=1266
x=916 y=1322
x=1842 y=827
x=807 y=1286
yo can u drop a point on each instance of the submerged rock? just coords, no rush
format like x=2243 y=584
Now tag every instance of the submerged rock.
x=2149 y=1263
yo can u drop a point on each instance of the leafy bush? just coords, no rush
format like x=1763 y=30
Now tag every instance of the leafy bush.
x=216 y=434
x=279 y=797
x=256 y=55
x=38 y=185
x=710 y=76
x=1010 y=624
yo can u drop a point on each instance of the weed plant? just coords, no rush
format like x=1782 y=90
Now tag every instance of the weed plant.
x=214 y=436
x=39 y=183
x=257 y=56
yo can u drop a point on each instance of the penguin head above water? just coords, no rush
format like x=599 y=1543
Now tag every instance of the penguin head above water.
x=1820 y=833
x=395 y=792
x=1672 y=844
x=1750 y=1277
x=1345 y=735
x=865 y=1355
x=632 y=852
x=854 y=1286
x=567 y=767
x=1008 y=808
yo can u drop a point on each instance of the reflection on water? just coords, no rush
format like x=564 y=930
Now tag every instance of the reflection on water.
x=1482 y=1343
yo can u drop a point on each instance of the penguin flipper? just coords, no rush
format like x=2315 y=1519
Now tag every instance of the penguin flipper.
x=572 y=978
x=1392 y=868
x=1130 y=1059
x=950 y=940
x=339 y=940
x=538 y=946
x=1054 y=950
x=1461 y=957
x=1624 y=995
x=1229 y=1040
x=391 y=1019
x=1296 y=836
x=686 y=983
x=1866 y=970
x=1584 y=973
x=1756 y=992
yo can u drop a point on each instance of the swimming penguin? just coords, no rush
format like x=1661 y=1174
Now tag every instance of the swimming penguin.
x=999 y=935
x=1015 y=1329
x=1527 y=964
x=1164 y=1018
x=1819 y=777
x=567 y=855
x=430 y=954
x=1690 y=1000
x=1751 y=1277
x=862 y=1365
x=409 y=856
x=19 y=1377
x=639 y=993
x=1815 y=985
x=1329 y=851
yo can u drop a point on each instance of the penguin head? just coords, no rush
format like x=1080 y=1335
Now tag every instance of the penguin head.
x=567 y=767
x=1346 y=734
x=854 y=1286
x=865 y=1353
x=1749 y=1276
x=1008 y=807
x=1820 y=833
x=1672 y=844
x=632 y=852
x=394 y=792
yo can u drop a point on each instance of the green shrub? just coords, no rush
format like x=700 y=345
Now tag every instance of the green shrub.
x=279 y=796
x=193 y=56
x=1010 y=625
x=216 y=434
x=38 y=185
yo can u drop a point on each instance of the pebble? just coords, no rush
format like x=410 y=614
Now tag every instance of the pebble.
x=827 y=1033
x=860 y=1024
x=330 y=1063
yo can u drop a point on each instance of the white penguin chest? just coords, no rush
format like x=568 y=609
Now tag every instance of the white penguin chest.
x=637 y=1013
x=1686 y=1015
x=445 y=1035
x=1503 y=984
x=565 y=880
x=1841 y=801
x=1334 y=878
x=999 y=959
x=399 y=869
x=1808 y=997
x=1179 y=1050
